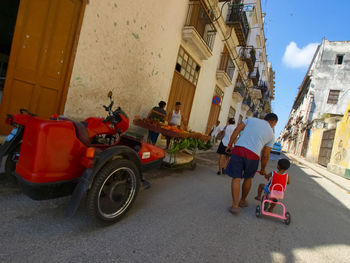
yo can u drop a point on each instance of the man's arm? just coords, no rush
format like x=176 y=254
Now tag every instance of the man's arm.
x=159 y=113
x=234 y=135
x=288 y=182
x=156 y=112
x=149 y=114
x=268 y=176
x=265 y=158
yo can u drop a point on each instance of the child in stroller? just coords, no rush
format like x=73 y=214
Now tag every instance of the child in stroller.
x=274 y=191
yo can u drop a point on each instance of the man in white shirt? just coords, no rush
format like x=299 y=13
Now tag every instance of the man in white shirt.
x=176 y=119
x=223 y=155
x=257 y=137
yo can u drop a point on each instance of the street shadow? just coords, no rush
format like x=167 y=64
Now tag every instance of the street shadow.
x=318 y=219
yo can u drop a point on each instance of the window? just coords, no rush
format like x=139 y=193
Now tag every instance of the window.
x=187 y=67
x=333 y=96
x=339 y=59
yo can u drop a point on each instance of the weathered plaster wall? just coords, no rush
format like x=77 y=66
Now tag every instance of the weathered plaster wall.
x=129 y=47
x=328 y=75
x=228 y=101
x=314 y=144
x=340 y=159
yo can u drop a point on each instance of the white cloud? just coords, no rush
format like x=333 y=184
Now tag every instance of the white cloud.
x=295 y=57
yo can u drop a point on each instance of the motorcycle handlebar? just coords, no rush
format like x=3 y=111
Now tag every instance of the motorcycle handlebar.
x=109 y=107
x=27 y=111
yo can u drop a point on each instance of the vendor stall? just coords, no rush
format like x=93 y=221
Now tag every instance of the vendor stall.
x=184 y=146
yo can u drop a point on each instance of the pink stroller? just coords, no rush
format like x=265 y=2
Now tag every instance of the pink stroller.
x=273 y=198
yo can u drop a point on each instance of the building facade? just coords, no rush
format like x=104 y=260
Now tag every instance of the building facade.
x=340 y=158
x=320 y=103
x=70 y=53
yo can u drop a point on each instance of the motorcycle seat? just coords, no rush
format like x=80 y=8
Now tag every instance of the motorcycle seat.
x=82 y=133
x=80 y=130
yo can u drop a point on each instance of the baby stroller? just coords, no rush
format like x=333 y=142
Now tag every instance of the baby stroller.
x=276 y=194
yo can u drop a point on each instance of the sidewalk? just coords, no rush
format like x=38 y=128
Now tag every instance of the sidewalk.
x=334 y=178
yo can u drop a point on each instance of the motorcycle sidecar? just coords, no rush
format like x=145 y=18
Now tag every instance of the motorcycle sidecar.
x=57 y=159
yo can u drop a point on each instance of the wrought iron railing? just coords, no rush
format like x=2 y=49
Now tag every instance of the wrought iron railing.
x=255 y=76
x=238 y=15
x=248 y=54
x=265 y=92
x=198 y=17
x=226 y=64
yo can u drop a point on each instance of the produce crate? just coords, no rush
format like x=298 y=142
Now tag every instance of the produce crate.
x=156 y=127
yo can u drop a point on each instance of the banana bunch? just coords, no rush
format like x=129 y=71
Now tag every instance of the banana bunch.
x=191 y=144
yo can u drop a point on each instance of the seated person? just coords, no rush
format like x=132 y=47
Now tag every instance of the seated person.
x=279 y=177
x=156 y=113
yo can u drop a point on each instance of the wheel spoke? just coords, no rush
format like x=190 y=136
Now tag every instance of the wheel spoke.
x=117 y=192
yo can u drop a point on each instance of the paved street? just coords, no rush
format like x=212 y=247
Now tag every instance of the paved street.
x=183 y=217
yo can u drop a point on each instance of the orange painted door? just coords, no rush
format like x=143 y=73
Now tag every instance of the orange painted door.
x=41 y=57
x=183 y=91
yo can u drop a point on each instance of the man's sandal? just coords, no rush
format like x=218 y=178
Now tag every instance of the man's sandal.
x=243 y=204
x=234 y=210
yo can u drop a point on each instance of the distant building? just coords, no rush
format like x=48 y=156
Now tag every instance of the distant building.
x=320 y=103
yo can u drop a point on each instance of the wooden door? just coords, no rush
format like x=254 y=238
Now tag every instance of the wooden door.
x=305 y=143
x=41 y=57
x=326 y=147
x=213 y=117
x=183 y=91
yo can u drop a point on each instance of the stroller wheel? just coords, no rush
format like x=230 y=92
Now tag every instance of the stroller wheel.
x=266 y=206
x=258 y=211
x=287 y=220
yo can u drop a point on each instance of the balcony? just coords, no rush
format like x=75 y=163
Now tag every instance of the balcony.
x=247 y=54
x=238 y=92
x=255 y=93
x=255 y=76
x=247 y=101
x=265 y=92
x=238 y=19
x=251 y=105
x=199 y=30
x=226 y=69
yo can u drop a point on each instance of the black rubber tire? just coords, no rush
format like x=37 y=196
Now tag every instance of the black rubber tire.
x=266 y=205
x=10 y=165
x=103 y=177
x=288 y=220
x=258 y=211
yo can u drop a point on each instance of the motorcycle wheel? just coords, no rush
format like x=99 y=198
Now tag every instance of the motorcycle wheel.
x=10 y=164
x=113 y=191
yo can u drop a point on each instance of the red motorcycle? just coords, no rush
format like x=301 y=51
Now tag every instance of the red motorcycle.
x=55 y=157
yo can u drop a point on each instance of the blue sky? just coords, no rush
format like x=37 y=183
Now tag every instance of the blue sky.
x=303 y=22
